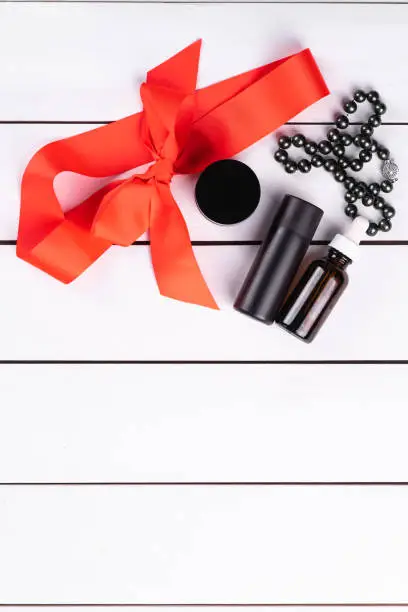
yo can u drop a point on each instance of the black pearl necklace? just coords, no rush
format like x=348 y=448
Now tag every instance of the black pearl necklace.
x=335 y=145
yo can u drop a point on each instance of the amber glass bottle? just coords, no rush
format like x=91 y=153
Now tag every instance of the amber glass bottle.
x=324 y=281
x=312 y=300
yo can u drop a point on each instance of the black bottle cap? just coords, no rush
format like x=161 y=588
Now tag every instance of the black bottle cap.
x=278 y=259
x=227 y=192
x=299 y=216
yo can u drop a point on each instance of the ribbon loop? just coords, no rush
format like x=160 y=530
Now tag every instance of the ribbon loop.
x=124 y=212
x=181 y=129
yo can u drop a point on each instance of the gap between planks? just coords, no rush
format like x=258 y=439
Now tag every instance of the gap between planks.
x=178 y=362
x=345 y=2
x=209 y=484
x=73 y=122
x=204 y=605
x=251 y=243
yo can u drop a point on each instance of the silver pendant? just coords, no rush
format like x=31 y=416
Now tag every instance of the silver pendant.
x=390 y=170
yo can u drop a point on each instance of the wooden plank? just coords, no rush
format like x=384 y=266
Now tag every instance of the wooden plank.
x=217 y=423
x=203 y=545
x=19 y=142
x=78 y=63
x=114 y=312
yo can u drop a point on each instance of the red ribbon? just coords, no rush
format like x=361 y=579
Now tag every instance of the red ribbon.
x=180 y=130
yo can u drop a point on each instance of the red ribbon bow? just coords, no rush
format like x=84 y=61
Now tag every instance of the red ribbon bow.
x=180 y=130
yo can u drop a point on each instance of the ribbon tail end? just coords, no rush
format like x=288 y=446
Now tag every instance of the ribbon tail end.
x=206 y=301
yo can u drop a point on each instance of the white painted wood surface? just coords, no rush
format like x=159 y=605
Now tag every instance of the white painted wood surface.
x=85 y=62
x=224 y=423
x=114 y=311
x=204 y=544
x=197 y=422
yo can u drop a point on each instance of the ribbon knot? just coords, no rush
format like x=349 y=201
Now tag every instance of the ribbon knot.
x=181 y=129
x=161 y=171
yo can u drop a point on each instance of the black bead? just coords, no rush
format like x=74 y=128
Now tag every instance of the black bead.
x=343 y=162
x=379 y=203
x=388 y=212
x=385 y=225
x=368 y=200
x=357 y=140
x=333 y=135
x=339 y=175
x=363 y=186
x=366 y=130
x=284 y=142
x=374 y=189
x=374 y=146
x=365 y=143
x=281 y=155
x=358 y=191
x=373 y=96
x=350 y=107
x=350 y=197
x=386 y=186
x=342 y=122
x=330 y=165
x=310 y=148
x=380 y=108
x=356 y=165
x=359 y=96
x=325 y=147
x=338 y=150
x=290 y=166
x=304 y=166
x=317 y=160
x=298 y=140
x=383 y=153
x=349 y=182
x=345 y=139
x=365 y=156
x=351 y=210
x=375 y=121
x=372 y=229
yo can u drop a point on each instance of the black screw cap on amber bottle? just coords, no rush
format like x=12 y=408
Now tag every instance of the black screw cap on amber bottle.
x=278 y=259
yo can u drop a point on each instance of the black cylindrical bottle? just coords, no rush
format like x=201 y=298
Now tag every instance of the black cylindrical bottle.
x=278 y=259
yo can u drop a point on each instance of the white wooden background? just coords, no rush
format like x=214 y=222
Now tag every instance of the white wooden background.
x=157 y=454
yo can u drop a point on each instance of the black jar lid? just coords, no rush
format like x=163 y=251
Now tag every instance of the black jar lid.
x=227 y=192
